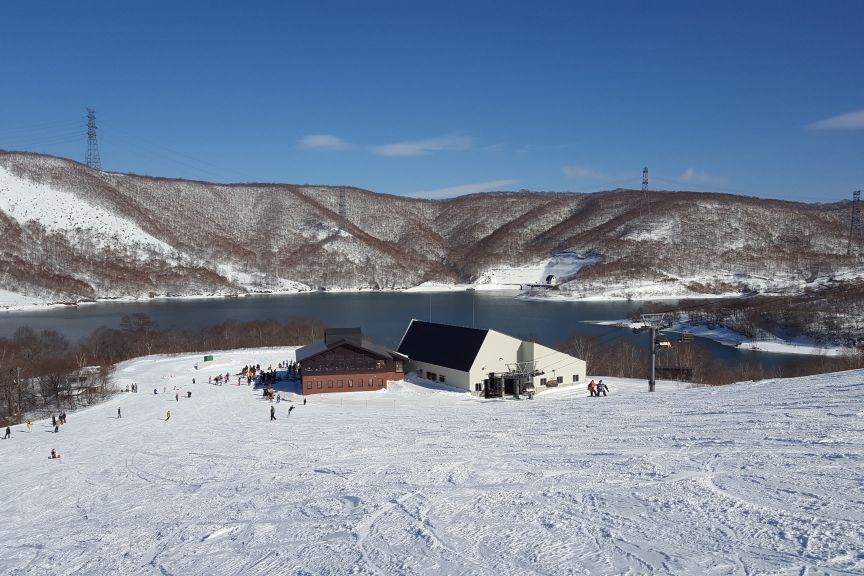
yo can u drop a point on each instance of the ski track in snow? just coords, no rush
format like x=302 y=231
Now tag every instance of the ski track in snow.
x=753 y=478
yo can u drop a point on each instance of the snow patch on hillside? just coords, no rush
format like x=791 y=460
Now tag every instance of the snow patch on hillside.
x=563 y=266
x=58 y=210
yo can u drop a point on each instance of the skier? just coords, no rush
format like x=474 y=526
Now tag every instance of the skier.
x=304 y=401
x=273 y=412
x=177 y=396
x=29 y=425
x=602 y=388
x=8 y=433
x=118 y=413
x=167 y=415
x=290 y=408
x=592 y=388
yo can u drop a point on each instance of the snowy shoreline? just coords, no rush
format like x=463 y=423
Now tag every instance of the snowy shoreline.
x=801 y=345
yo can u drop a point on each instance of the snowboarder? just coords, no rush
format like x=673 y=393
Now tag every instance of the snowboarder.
x=273 y=412
x=155 y=391
x=118 y=413
x=167 y=415
x=290 y=408
x=54 y=454
x=8 y=433
x=602 y=388
x=188 y=394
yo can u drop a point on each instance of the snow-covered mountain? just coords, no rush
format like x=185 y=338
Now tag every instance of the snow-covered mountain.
x=71 y=233
x=751 y=478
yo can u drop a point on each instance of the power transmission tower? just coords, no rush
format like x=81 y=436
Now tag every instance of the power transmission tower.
x=855 y=228
x=645 y=205
x=92 y=160
x=343 y=204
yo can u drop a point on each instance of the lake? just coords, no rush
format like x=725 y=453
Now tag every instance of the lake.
x=383 y=315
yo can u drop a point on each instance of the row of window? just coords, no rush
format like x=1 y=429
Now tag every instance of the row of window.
x=319 y=384
x=432 y=376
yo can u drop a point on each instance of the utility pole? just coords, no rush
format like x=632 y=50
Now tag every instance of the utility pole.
x=652 y=323
x=855 y=232
x=93 y=160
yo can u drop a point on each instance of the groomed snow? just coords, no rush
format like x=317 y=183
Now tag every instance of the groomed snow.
x=753 y=478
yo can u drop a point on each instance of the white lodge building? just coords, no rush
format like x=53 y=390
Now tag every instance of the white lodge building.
x=465 y=357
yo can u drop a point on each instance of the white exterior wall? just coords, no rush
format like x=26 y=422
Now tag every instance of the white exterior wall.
x=497 y=351
x=452 y=377
x=553 y=364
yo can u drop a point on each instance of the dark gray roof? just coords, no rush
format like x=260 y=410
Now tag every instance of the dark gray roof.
x=449 y=346
x=333 y=340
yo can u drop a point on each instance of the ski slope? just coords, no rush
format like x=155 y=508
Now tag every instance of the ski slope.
x=753 y=478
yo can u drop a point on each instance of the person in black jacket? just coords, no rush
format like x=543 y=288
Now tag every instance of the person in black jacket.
x=272 y=412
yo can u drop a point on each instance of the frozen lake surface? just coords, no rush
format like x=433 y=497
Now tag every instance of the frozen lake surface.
x=752 y=478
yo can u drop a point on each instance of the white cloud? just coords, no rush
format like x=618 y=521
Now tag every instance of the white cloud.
x=692 y=176
x=421 y=147
x=464 y=189
x=848 y=121
x=582 y=172
x=323 y=142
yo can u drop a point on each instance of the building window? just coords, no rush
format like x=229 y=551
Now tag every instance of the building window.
x=308 y=384
x=340 y=383
x=320 y=384
x=329 y=384
x=575 y=377
x=350 y=383
x=542 y=381
x=431 y=376
x=398 y=366
x=380 y=382
x=441 y=378
x=359 y=383
x=478 y=387
x=560 y=379
x=370 y=382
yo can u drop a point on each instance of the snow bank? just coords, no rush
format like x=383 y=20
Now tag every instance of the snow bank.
x=751 y=478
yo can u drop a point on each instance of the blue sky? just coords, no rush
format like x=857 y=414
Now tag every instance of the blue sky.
x=435 y=98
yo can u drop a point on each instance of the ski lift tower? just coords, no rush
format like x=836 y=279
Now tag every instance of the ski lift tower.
x=652 y=323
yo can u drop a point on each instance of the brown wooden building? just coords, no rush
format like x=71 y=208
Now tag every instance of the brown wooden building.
x=347 y=361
